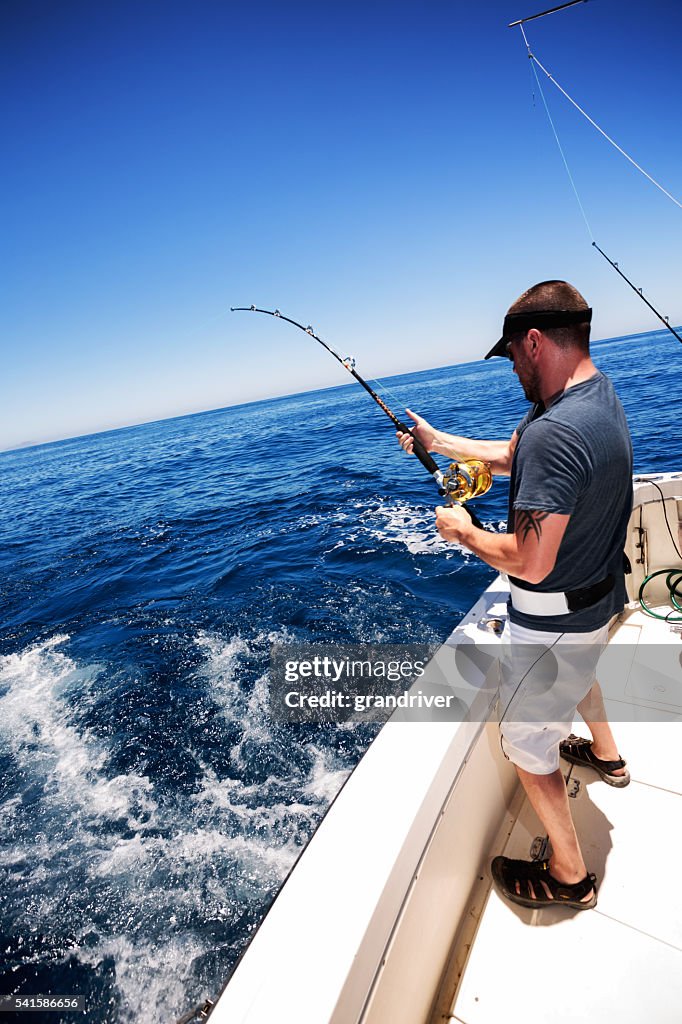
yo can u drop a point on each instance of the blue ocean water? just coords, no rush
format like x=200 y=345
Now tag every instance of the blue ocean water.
x=150 y=808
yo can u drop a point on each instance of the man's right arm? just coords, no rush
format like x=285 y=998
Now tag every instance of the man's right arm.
x=497 y=453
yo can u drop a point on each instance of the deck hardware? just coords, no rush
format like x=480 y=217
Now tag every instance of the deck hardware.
x=494 y=625
x=539 y=848
x=199 y=1013
x=640 y=545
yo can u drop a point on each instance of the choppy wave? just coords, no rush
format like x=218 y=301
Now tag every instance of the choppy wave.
x=109 y=873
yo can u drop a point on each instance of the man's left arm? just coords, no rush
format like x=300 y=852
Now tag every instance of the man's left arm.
x=529 y=553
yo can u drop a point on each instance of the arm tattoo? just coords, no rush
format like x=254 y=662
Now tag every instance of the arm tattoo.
x=526 y=522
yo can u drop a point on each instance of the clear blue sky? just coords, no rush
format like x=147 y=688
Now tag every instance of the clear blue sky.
x=381 y=170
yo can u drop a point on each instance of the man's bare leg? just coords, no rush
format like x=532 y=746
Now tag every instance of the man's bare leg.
x=593 y=713
x=547 y=794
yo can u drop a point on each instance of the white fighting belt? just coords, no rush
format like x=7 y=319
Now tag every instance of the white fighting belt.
x=534 y=602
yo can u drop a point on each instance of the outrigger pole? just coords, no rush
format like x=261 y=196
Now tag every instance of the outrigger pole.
x=465 y=479
x=552 y=10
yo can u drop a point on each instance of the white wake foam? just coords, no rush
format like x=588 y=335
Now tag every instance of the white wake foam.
x=70 y=762
x=133 y=878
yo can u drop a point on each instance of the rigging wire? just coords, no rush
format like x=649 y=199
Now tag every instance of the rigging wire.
x=556 y=136
x=601 y=130
x=534 y=61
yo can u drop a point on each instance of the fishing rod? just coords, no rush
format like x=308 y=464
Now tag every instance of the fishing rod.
x=464 y=480
x=665 y=320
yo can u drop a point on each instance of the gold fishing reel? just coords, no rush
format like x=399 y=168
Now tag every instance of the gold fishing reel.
x=467 y=479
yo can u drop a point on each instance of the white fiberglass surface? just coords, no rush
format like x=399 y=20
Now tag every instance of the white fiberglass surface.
x=621 y=962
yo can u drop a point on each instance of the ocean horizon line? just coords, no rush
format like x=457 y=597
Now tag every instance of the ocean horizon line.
x=31 y=445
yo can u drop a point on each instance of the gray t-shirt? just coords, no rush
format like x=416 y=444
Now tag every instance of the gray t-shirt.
x=575 y=458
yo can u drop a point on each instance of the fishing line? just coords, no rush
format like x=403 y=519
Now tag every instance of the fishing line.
x=534 y=61
x=577 y=106
x=204 y=325
x=383 y=386
x=386 y=390
x=602 y=132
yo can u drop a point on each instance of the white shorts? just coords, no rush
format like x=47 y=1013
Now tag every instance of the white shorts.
x=543 y=678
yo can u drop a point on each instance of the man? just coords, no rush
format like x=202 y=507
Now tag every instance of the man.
x=570 y=463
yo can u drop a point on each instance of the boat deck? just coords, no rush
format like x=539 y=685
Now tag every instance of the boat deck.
x=621 y=962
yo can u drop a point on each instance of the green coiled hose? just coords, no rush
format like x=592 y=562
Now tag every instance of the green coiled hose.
x=674 y=584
